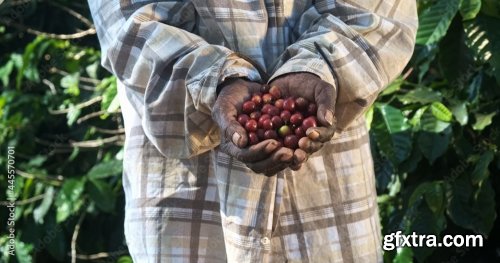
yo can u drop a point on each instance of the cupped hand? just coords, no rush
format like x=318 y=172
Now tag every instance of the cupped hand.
x=314 y=89
x=266 y=157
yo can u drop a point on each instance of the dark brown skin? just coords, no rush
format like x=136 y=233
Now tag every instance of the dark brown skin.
x=265 y=157
x=312 y=88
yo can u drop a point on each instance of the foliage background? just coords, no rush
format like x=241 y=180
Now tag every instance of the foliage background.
x=435 y=135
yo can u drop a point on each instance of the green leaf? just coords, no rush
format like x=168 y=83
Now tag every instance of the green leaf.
x=460 y=113
x=417 y=116
x=434 y=22
x=441 y=112
x=392 y=133
x=393 y=87
x=433 y=145
x=110 y=93
x=421 y=95
x=403 y=255
x=434 y=197
x=368 y=117
x=412 y=163
x=5 y=73
x=40 y=212
x=68 y=199
x=23 y=252
x=37 y=160
x=483 y=121
x=472 y=207
x=71 y=82
x=56 y=245
x=456 y=60
x=72 y=115
x=27 y=69
x=474 y=88
x=424 y=56
x=393 y=118
x=105 y=169
x=432 y=192
x=124 y=259
x=483 y=38
x=92 y=69
x=102 y=194
x=429 y=123
x=424 y=221
x=114 y=105
x=481 y=171
x=385 y=174
x=470 y=8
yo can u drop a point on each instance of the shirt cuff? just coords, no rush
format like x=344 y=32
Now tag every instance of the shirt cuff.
x=236 y=67
x=315 y=66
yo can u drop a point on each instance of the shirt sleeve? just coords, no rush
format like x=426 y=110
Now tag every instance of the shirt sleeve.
x=170 y=74
x=367 y=43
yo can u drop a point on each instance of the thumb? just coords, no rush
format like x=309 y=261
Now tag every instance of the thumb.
x=235 y=133
x=224 y=114
x=325 y=98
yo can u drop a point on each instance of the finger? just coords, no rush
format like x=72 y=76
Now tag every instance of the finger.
x=325 y=97
x=309 y=146
x=254 y=87
x=320 y=134
x=296 y=167
x=224 y=115
x=276 y=160
x=235 y=133
x=254 y=153
x=276 y=169
x=282 y=84
x=299 y=156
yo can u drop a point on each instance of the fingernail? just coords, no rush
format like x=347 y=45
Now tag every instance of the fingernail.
x=236 y=138
x=286 y=157
x=329 y=117
x=271 y=147
x=313 y=135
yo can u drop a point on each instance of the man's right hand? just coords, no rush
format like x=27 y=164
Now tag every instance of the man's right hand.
x=266 y=157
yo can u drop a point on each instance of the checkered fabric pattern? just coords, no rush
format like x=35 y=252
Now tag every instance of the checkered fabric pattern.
x=188 y=202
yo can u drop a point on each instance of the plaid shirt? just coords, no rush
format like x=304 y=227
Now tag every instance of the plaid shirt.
x=188 y=202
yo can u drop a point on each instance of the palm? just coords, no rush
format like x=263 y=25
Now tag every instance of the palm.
x=312 y=88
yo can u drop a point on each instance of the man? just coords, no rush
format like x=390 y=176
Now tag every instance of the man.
x=194 y=191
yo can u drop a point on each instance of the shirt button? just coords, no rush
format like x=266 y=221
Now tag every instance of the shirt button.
x=264 y=241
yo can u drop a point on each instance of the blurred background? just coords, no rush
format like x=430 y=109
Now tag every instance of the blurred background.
x=435 y=134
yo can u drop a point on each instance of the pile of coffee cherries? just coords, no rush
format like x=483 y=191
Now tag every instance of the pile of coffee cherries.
x=267 y=115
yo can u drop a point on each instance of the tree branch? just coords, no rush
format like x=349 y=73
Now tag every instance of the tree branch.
x=95 y=114
x=53 y=180
x=101 y=255
x=78 y=106
x=25 y=201
x=98 y=142
x=9 y=22
x=75 y=237
x=72 y=12
x=108 y=131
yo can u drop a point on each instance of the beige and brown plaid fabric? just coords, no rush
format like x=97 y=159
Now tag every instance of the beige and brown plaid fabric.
x=188 y=202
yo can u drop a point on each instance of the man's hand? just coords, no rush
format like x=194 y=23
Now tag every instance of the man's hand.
x=312 y=88
x=265 y=157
